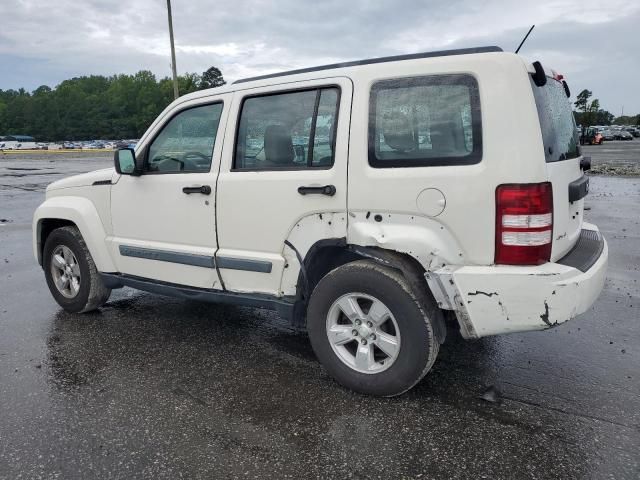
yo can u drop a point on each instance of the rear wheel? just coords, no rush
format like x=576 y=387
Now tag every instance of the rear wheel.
x=71 y=275
x=370 y=331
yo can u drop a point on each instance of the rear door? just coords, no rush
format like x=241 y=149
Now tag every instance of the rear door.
x=562 y=155
x=286 y=159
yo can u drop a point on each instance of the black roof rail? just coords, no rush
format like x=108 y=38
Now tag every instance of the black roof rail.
x=369 y=61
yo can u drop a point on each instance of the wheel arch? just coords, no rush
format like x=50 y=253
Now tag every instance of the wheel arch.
x=328 y=254
x=72 y=211
x=44 y=228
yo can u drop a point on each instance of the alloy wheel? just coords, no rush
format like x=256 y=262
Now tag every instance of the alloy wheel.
x=363 y=333
x=65 y=271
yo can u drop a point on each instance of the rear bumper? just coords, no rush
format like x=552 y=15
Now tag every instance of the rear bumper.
x=490 y=300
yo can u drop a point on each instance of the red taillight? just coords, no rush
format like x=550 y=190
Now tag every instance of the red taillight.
x=524 y=223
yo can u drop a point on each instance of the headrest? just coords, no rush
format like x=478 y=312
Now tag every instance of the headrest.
x=278 y=146
x=397 y=132
x=446 y=137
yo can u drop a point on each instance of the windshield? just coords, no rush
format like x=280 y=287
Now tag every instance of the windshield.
x=557 y=124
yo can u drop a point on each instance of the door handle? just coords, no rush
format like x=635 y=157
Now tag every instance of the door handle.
x=203 y=189
x=328 y=190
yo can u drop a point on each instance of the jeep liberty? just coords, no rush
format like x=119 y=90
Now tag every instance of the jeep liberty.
x=367 y=202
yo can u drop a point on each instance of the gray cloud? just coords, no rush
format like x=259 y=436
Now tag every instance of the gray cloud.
x=44 y=42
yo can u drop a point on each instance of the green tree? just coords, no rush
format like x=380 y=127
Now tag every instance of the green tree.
x=91 y=107
x=592 y=111
x=582 y=100
x=627 y=120
x=603 y=117
x=212 y=78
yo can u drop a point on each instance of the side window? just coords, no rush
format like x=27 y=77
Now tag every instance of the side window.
x=185 y=144
x=425 y=121
x=287 y=131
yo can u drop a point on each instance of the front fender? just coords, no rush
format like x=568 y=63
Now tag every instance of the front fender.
x=84 y=215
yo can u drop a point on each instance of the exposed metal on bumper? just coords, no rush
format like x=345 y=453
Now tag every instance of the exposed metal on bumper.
x=491 y=300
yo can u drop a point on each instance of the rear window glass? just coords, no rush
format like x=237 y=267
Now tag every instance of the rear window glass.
x=558 y=127
x=425 y=121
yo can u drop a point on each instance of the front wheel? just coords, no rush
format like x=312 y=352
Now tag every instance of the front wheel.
x=71 y=275
x=370 y=330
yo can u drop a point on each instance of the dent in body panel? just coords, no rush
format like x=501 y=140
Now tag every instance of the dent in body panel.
x=497 y=299
x=425 y=239
x=305 y=233
x=448 y=297
x=519 y=303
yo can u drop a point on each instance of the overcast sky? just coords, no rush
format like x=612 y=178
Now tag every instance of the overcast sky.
x=594 y=43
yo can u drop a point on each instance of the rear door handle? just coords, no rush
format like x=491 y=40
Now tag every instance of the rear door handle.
x=328 y=190
x=203 y=189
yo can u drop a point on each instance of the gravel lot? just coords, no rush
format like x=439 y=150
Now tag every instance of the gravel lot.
x=154 y=387
x=615 y=158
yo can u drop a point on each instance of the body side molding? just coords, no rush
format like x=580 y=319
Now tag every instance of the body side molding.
x=206 y=261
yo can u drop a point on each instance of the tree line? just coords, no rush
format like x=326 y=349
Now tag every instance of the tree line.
x=588 y=112
x=123 y=106
x=95 y=107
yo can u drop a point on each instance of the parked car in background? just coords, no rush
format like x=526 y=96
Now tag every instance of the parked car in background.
x=18 y=142
x=622 y=135
x=608 y=135
x=27 y=146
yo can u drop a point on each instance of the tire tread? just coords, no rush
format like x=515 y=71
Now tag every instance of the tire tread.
x=426 y=308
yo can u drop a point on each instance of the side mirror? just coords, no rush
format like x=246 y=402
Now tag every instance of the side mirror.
x=125 y=161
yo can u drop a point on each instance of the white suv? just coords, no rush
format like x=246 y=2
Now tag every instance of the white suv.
x=363 y=201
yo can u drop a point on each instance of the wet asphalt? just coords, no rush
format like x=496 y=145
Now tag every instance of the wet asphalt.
x=154 y=387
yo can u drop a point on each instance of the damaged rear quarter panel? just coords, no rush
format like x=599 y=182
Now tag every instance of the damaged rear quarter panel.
x=425 y=239
x=307 y=231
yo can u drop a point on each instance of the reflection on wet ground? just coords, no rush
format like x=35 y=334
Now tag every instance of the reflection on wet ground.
x=163 y=388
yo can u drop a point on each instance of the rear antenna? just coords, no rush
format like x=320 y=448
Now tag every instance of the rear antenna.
x=524 y=39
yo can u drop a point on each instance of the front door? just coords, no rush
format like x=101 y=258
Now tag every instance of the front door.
x=164 y=220
x=284 y=172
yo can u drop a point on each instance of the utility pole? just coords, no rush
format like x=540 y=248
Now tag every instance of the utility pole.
x=176 y=94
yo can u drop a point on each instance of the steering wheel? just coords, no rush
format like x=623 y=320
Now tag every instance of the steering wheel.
x=164 y=157
x=200 y=155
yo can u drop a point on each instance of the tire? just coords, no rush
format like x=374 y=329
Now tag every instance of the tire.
x=410 y=322
x=88 y=292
